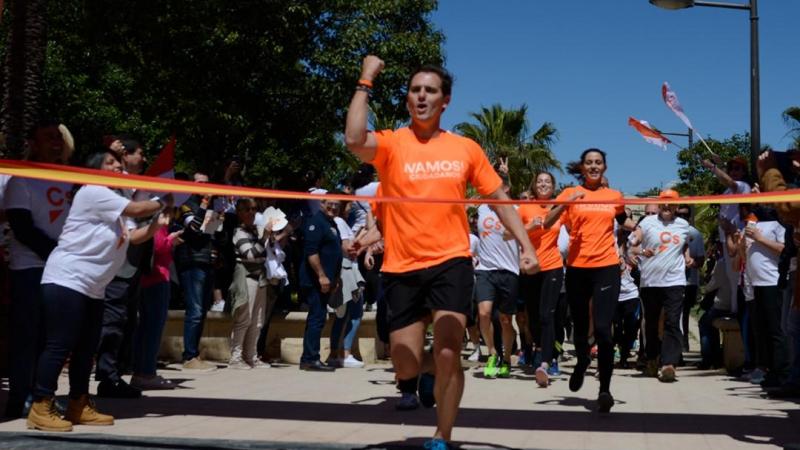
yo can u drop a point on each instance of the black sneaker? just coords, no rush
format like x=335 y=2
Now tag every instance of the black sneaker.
x=425 y=390
x=576 y=379
x=604 y=402
x=118 y=389
x=316 y=366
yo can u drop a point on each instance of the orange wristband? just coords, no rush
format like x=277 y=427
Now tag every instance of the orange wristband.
x=365 y=82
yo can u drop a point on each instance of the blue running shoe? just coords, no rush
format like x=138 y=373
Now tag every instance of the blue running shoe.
x=425 y=390
x=521 y=358
x=407 y=402
x=553 y=370
x=436 y=444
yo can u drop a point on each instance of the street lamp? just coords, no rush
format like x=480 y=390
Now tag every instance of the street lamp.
x=755 y=111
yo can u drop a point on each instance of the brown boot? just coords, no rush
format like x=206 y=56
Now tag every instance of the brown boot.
x=82 y=411
x=44 y=416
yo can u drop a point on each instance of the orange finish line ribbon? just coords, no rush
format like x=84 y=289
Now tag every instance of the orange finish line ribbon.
x=79 y=175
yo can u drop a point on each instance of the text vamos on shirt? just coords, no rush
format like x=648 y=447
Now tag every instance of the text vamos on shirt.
x=420 y=235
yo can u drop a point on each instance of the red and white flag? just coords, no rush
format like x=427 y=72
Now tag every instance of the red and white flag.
x=672 y=103
x=164 y=167
x=648 y=133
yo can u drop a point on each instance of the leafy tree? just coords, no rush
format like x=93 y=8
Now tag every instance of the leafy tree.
x=696 y=179
x=267 y=80
x=503 y=133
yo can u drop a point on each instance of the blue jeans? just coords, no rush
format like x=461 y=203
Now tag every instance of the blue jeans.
x=25 y=333
x=352 y=319
x=315 y=322
x=72 y=324
x=153 y=309
x=709 y=337
x=197 y=284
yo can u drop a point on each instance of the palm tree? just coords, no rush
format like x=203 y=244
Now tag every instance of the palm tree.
x=503 y=133
x=792 y=118
x=22 y=71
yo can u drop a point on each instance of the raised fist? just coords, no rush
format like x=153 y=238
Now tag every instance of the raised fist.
x=371 y=67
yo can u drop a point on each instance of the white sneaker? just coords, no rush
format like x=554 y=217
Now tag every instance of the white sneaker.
x=259 y=364
x=238 y=364
x=352 y=363
x=476 y=355
x=218 y=306
x=151 y=383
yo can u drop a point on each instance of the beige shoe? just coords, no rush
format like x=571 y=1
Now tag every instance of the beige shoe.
x=44 y=416
x=82 y=411
x=667 y=374
x=198 y=365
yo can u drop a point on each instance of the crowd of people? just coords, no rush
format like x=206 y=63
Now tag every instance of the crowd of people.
x=94 y=270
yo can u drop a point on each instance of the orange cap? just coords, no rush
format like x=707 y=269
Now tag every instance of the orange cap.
x=669 y=193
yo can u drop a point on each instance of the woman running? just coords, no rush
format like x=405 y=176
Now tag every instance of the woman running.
x=592 y=266
x=541 y=290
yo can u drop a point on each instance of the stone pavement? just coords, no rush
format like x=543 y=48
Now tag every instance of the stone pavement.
x=283 y=407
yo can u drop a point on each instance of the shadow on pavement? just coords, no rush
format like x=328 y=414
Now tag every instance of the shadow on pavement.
x=752 y=429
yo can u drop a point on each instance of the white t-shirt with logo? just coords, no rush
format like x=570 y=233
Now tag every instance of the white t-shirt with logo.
x=697 y=249
x=667 y=267
x=92 y=246
x=730 y=211
x=494 y=252
x=49 y=206
x=762 y=263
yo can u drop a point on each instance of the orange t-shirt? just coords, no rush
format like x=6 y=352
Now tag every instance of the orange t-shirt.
x=591 y=228
x=422 y=235
x=544 y=240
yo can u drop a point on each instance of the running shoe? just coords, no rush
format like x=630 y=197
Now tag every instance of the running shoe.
x=604 y=402
x=667 y=374
x=491 y=369
x=436 y=444
x=408 y=401
x=521 y=358
x=505 y=370
x=593 y=352
x=425 y=390
x=576 y=379
x=542 y=379
x=475 y=356
x=757 y=376
x=553 y=370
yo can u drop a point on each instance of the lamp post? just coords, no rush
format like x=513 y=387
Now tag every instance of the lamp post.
x=755 y=100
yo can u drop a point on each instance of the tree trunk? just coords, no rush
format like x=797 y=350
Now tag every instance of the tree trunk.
x=22 y=72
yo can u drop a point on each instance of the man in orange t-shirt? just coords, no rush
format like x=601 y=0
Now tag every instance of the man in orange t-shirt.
x=427 y=265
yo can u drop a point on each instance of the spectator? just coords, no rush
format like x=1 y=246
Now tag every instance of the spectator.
x=122 y=293
x=36 y=211
x=697 y=252
x=248 y=291
x=194 y=260
x=90 y=250
x=153 y=308
x=319 y=276
x=349 y=313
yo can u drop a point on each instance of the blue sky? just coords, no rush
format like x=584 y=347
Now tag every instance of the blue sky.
x=586 y=65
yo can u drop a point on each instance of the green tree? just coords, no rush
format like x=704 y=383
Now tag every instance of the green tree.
x=696 y=179
x=503 y=133
x=792 y=118
x=267 y=80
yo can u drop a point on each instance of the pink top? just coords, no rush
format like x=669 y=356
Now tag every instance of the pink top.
x=162 y=259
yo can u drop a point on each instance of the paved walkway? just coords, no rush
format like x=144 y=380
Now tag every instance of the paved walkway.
x=283 y=407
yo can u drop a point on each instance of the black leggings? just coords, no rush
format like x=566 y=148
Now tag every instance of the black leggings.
x=541 y=299
x=600 y=285
x=71 y=324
